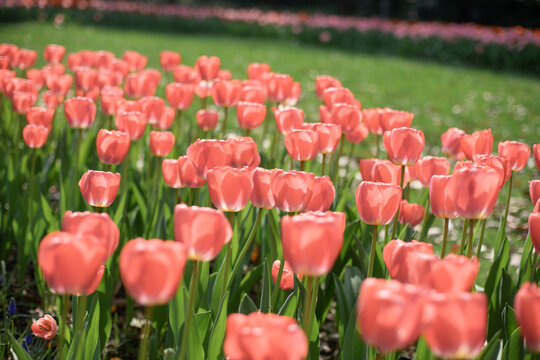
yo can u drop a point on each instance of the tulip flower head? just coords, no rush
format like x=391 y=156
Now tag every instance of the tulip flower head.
x=80 y=112
x=261 y=195
x=323 y=195
x=229 y=188
x=151 y=270
x=516 y=153
x=411 y=214
x=203 y=231
x=396 y=257
x=478 y=143
x=35 y=136
x=292 y=190
x=302 y=145
x=404 y=145
x=250 y=114
x=287 y=276
x=45 y=327
x=377 y=203
x=99 y=188
x=161 y=142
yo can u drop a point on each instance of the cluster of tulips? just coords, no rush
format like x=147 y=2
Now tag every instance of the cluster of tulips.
x=295 y=219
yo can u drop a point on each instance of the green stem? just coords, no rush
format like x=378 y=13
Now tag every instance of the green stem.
x=64 y=315
x=143 y=348
x=445 y=237
x=276 y=289
x=31 y=181
x=323 y=164
x=248 y=132
x=479 y=249
x=372 y=251
x=463 y=236
x=312 y=306
x=506 y=210
x=534 y=262
x=424 y=221
x=224 y=128
x=471 y=238
x=395 y=225
x=246 y=246
x=227 y=258
x=336 y=164
x=192 y=292
x=307 y=304
x=302 y=165
x=377 y=144
x=79 y=321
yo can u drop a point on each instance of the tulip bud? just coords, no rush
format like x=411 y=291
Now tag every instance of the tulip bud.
x=45 y=327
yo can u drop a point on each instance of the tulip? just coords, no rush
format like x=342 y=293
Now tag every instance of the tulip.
x=261 y=195
x=208 y=154
x=40 y=116
x=429 y=166
x=166 y=120
x=527 y=310
x=536 y=154
x=22 y=101
x=294 y=95
x=337 y=95
x=394 y=119
x=377 y=203
x=36 y=76
x=451 y=143
x=250 y=115
x=207 y=119
x=208 y=67
x=69 y=263
x=100 y=226
x=389 y=314
x=135 y=60
x=396 y=256
x=323 y=196
x=179 y=96
x=457 y=325
x=188 y=173
x=133 y=123
x=287 y=276
x=244 y=153
x=59 y=84
x=106 y=78
x=279 y=87
x=171 y=176
x=99 y=188
x=138 y=85
x=292 y=190
x=54 y=53
x=161 y=142
x=264 y=336
x=258 y=71
x=152 y=107
x=358 y=134
x=80 y=112
x=323 y=82
x=45 y=327
x=453 y=274
x=151 y=270
x=312 y=241
x=385 y=171
x=477 y=189
x=411 y=214
x=229 y=188
x=186 y=75
x=372 y=120
x=534 y=190
x=404 y=145
x=203 y=231
x=534 y=230
x=442 y=194
x=24 y=59
x=480 y=142
x=85 y=78
x=110 y=96
x=302 y=145
x=347 y=116
x=497 y=163
x=169 y=60
x=255 y=93
x=35 y=136
x=288 y=119
x=329 y=136
x=516 y=153
x=112 y=146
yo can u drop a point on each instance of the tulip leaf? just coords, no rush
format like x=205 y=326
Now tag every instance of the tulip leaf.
x=342 y=305
x=247 y=306
x=495 y=270
x=176 y=314
x=266 y=292
x=119 y=213
x=218 y=330
x=219 y=281
x=422 y=350
x=141 y=202
x=513 y=349
x=195 y=345
x=492 y=351
x=526 y=265
x=289 y=305
x=353 y=347
x=203 y=324
x=17 y=348
x=105 y=293
x=91 y=331
x=48 y=214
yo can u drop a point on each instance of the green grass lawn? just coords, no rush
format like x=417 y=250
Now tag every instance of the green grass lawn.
x=440 y=96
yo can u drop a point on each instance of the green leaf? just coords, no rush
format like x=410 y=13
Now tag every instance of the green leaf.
x=492 y=351
x=176 y=314
x=91 y=332
x=247 y=306
x=203 y=324
x=422 y=350
x=140 y=200
x=289 y=305
x=353 y=347
x=266 y=292
x=195 y=344
x=48 y=213
x=514 y=347
x=526 y=265
x=17 y=348
x=218 y=330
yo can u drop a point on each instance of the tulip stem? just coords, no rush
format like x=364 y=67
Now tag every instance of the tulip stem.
x=192 y=292
x=401 y=178
x=445 y=237
x=245 y=247
x=227 y=258
x=302 y=165
x=506 y=210
x=535 y=259
x=307 y=304
x=79 y=321
x=224 y=128
x=423 y=232
x=275 y=292
x=31 y=180
x=248 y=132
x=336 y=164
x=482 y=231
x=471 y=238
x=463 y=236
x=377 y=145
x=143 y=348
x=323 y=164
x=372 y=251
x=64 y=300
